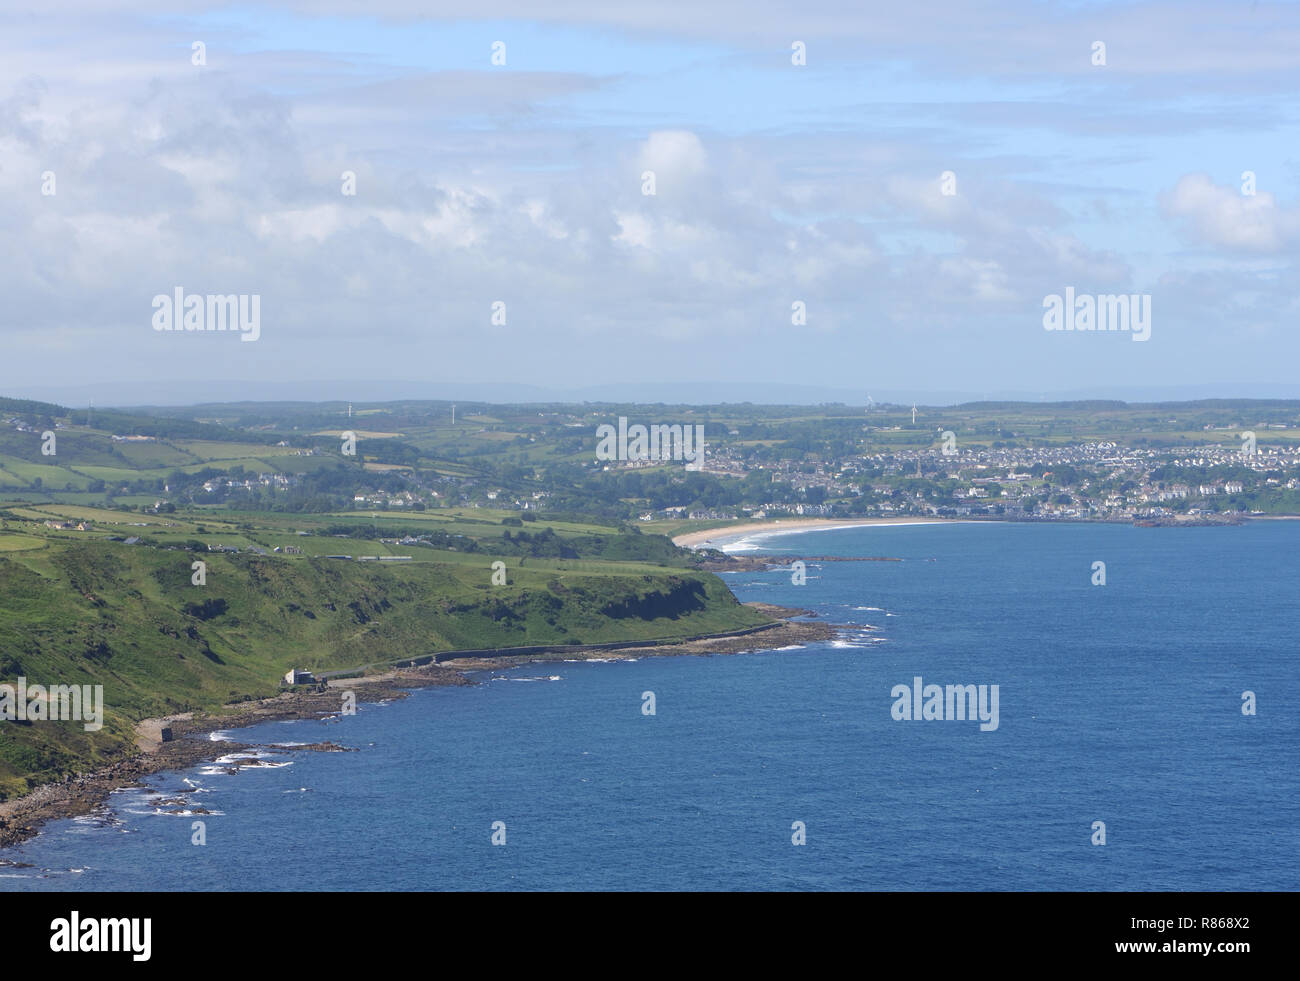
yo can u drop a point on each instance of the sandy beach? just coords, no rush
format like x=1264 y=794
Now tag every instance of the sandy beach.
x=729 y=533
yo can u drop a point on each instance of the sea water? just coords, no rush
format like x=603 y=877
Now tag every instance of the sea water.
x=1120 y=710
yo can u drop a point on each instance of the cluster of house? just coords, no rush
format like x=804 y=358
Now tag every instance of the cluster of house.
x=400 y=499
x=722 y=514
x=284 y=443
x=276 y=480
x=1180 y=492
x=467 y=496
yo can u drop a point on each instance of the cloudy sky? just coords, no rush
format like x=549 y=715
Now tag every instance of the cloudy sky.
x=522 y=184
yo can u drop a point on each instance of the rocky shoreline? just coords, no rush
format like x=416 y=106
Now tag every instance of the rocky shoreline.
x=784 y=633
x=190 y=743
x=190 y=746
x=718 y=561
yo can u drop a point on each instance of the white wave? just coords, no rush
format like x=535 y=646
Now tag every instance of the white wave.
x=754 y=542
x=245 y=756
x=744 y=545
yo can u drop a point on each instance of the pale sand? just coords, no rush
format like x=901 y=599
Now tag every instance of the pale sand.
x=729 y=533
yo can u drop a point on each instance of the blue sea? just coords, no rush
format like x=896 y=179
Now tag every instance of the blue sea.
x=1119 y=704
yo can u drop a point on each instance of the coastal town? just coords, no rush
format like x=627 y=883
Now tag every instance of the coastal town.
x=1200 y=463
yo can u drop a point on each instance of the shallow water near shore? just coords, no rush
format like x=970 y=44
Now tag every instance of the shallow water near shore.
x=1118 y=703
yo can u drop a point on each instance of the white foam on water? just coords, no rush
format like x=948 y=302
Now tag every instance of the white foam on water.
x=247 y=756
x=754 y=542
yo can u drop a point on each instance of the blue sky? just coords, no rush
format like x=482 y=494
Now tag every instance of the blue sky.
x=522 y=184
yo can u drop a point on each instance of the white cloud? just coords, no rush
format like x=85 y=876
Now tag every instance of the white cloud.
x=1225 y=217
x=475 y=186
x=673 y=155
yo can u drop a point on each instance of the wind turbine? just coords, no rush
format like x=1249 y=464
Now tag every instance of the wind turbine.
x=913 y=415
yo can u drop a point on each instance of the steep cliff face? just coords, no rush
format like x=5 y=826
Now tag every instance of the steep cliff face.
x=674 y=598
